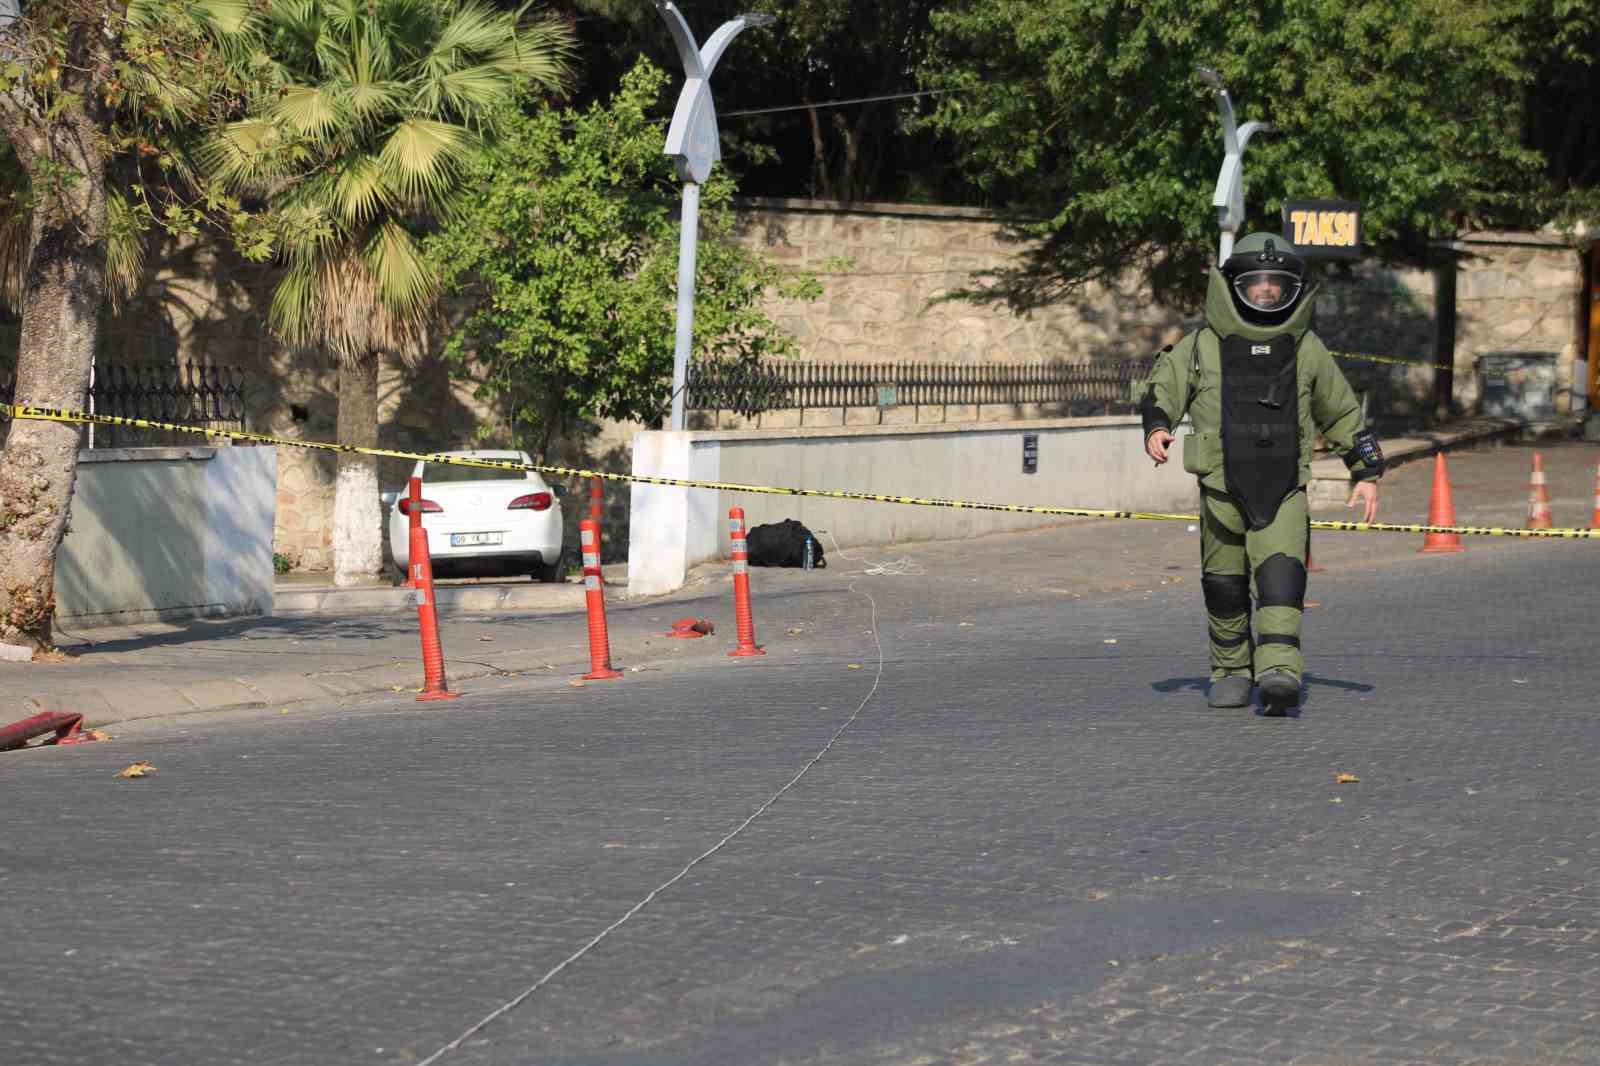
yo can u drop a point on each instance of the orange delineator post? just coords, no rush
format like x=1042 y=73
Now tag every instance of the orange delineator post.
x=597 y=507
x=594 y=594
x=1441 y=512
x=421 y=570
x=1538 y=496
x=66 y=725
x=741 y=588
x=1594 y=522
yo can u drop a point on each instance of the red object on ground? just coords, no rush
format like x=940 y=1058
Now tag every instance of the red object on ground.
x=1441 y=512
x=434 y=686
x=595 y=597
x=690 y=628
x=64 y=724
x=741 y=588
x=1538 y=497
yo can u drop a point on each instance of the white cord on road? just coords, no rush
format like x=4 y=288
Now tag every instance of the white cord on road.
x=905 y=566
x=512 y=1004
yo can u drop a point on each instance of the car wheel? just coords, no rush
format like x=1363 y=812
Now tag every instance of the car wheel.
x=396 y=574
x=553 y=574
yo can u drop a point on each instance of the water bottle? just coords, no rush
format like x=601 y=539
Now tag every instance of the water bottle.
x=808 y=554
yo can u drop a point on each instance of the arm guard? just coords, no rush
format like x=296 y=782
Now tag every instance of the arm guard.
x=1365 y=458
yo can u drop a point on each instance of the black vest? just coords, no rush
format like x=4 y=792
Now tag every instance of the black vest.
x=1260 y=423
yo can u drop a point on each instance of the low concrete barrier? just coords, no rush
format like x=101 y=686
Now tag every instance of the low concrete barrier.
x=163 y=534
x=1081 y=462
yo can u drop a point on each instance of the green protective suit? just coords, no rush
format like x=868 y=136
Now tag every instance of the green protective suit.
x=1253 y=475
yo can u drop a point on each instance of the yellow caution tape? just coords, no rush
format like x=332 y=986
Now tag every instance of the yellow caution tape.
x=1393 y=360
x=51 y=414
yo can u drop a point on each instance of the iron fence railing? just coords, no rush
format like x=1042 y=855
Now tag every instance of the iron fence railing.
x=190 y=394
x=749 y=389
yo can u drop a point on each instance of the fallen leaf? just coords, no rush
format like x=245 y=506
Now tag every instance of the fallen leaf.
x=575 y=683
x=853 y=666
x=397 y=688
x=138 y=769
x=1109 y=640
x=965 y=625
x=795 y=632
x=613 y=844
x=1309 y=604
x=1346 y=779
x=488 y=640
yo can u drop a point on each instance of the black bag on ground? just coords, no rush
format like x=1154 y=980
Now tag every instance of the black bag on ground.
x=782 y=544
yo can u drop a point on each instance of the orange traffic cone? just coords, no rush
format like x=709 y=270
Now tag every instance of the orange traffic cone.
x=1441 y=512
x=1538 y=498
x=1594 y=523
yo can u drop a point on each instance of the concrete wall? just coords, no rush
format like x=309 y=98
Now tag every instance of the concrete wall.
x=168 y=533
x=1084 y=462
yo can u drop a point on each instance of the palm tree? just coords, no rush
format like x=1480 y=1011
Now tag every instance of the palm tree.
x=379 y=107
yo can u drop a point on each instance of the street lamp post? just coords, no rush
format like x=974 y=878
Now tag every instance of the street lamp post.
x=693 y=142
x=1229 y=196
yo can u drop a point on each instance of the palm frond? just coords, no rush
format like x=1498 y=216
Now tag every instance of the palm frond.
x=422 y=158
x=246 y=154
x=407 y=284
x=473 y=31
x=360 y=189
x=309 y=110
x=15 y=234
x=125 y=249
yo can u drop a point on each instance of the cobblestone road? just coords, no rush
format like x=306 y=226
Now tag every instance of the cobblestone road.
x=1035 y=844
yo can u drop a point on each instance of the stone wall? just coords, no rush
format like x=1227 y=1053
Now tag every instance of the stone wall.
x=1520 y=292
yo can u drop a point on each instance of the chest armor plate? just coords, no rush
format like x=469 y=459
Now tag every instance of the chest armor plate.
x=1260 y=423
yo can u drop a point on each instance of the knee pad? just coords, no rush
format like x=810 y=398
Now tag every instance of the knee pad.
x=1281 y=582
x=1227 y=595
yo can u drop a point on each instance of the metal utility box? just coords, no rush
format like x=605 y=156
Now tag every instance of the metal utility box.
x=1518 y=384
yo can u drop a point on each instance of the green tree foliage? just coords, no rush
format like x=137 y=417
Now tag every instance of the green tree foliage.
x=1085 y=118
x=378 y=110
x=566 y=249
x=816 y=52
x=98 y=100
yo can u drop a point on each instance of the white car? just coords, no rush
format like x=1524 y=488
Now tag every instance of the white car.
x=482 y=521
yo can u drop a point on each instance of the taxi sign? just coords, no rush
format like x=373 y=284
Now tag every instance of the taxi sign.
x=1323 y=229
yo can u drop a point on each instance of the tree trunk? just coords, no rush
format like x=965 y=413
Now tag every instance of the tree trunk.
x=357 y=518
x=63 y=289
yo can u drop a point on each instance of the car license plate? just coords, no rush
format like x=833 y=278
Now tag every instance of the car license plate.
x=467 y=540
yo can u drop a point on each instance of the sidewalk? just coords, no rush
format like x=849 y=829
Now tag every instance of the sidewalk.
x=114 y=675
x=1330 y=478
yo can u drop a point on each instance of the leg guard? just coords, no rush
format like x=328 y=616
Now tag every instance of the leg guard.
x=1280 y=595
x=1228 y=620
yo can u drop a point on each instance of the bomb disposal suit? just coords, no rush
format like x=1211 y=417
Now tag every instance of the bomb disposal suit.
x=1259 y=386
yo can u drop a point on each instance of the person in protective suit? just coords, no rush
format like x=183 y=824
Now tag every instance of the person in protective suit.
x=1259 y=386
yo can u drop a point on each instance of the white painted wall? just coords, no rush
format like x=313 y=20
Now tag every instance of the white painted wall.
x=158 y=534
x=1083 y=462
